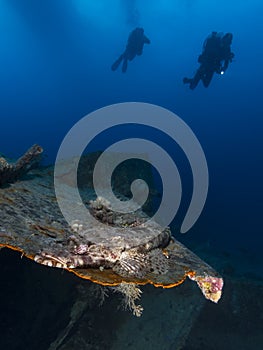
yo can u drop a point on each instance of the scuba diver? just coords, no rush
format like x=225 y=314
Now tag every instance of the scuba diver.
x=134 y=47
x=215 y=58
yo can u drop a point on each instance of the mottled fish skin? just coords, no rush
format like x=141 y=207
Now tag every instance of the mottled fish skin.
x=84 y=259
x=134 y=262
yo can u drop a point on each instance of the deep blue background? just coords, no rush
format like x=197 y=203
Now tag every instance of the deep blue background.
x=55 y=63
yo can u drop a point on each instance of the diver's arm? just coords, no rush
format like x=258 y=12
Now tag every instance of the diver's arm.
x=146 y=40
x=229 y=59
x=225 y=66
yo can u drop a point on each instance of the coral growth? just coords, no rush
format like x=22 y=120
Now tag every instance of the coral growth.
x=10 y=172
x=131 y=292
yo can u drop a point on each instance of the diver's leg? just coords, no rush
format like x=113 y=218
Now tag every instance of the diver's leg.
x=187 y=80
x=117 y=63
x=194 y=82
x=124 y=65
x=207 y=77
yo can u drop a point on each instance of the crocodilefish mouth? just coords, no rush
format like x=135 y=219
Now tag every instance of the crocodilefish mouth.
x=53 y=261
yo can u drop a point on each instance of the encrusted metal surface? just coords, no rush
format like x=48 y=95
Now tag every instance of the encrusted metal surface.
x=111 y=251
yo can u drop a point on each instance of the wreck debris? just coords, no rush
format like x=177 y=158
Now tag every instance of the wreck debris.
x=10 y=172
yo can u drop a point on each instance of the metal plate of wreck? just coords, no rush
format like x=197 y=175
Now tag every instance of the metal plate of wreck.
x=114 y=249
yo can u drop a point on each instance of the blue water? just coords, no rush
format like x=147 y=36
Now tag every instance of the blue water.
x=55 y=68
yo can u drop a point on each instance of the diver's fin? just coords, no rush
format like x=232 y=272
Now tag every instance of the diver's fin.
x=117 y=63
x=187 y=80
